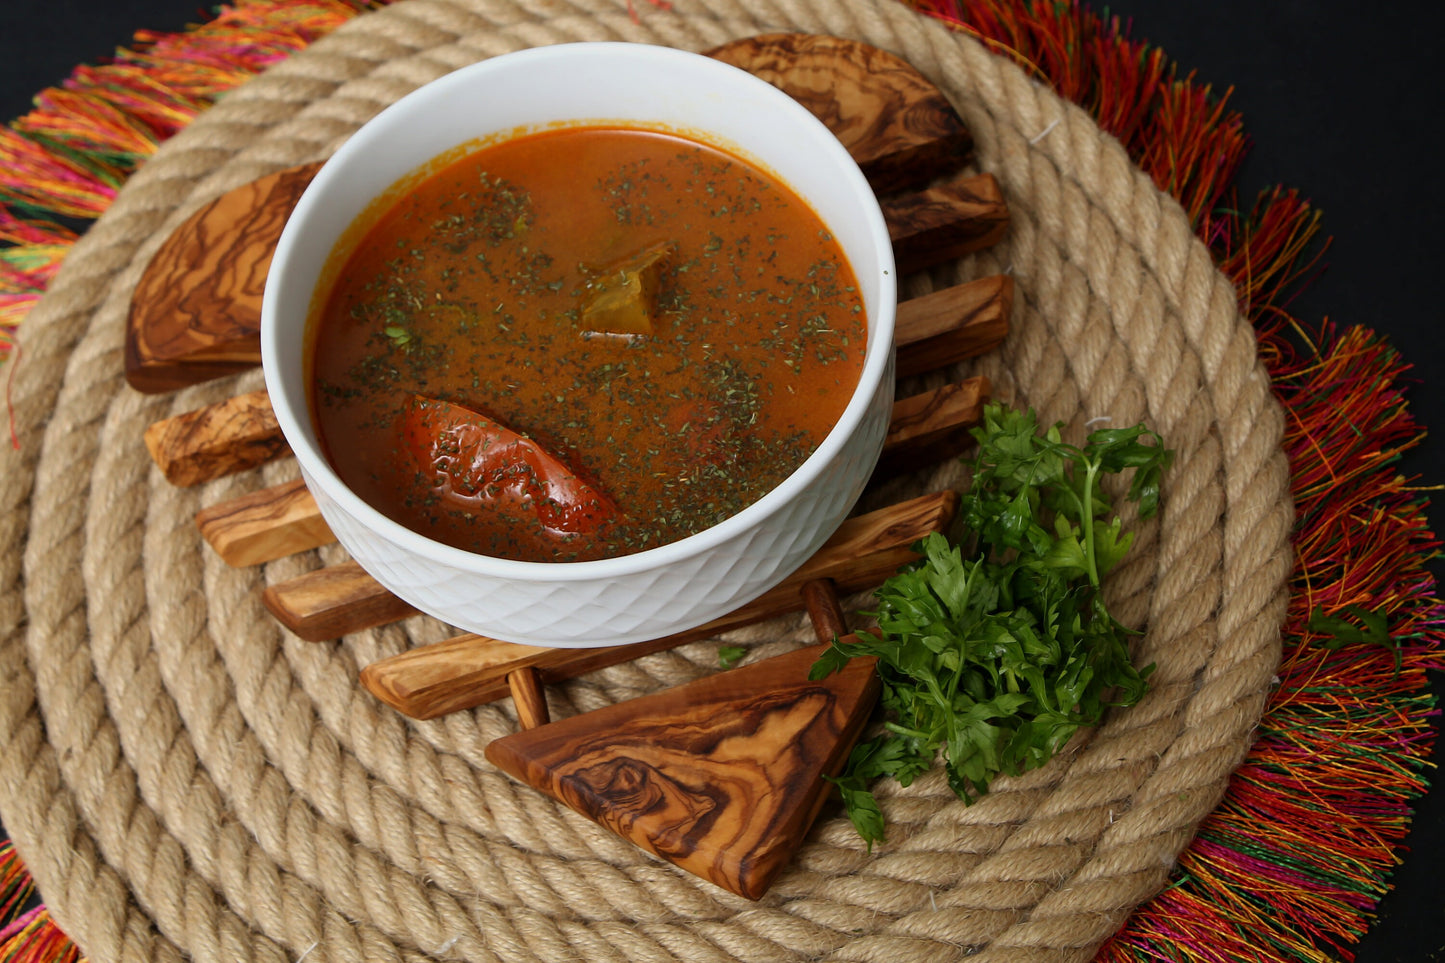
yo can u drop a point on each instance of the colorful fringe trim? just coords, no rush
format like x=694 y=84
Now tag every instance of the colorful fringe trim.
x=68 y=156
x=27 y=935
x=1289 y=867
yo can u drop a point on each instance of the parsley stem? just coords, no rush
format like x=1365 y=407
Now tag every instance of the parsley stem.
x=906 y=731
x=1088 y=522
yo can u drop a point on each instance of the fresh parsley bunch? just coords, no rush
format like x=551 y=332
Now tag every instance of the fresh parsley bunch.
x=997 y=658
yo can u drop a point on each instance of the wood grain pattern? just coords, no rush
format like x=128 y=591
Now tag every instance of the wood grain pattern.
x=947 y=326
x=945 y=221
x=721 y=777
x=220 y=439
x=332 y=601
x=196 y=312
x=471 y=670
x=265 y=525
x=528 y=696
x=895 y=123
x=929 y=427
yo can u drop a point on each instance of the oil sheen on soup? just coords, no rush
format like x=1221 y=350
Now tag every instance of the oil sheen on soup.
x=584 y=343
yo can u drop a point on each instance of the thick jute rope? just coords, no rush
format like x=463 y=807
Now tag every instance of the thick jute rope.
x=186 y=780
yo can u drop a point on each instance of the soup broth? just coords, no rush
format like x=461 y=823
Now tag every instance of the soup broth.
x=584 y=343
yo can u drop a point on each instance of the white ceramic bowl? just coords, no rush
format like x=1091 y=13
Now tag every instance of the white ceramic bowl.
x=673 y=587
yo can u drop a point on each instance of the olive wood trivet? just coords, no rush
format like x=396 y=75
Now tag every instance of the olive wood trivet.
x=722 y=776
x=881 y=109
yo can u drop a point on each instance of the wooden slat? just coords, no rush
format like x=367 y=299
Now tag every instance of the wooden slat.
x=897 y=125
x=932 y=426
x=265 y=525
x=947 y=326
x=471 y=670
x=945 y=221
x=820 y=596
x=333 y=601
x=218 y=440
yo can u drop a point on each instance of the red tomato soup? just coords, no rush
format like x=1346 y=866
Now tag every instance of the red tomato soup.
x=584 y=343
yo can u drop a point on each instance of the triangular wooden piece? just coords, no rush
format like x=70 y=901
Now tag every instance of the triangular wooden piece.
x=722 y=776
x=196 y=312
x=899 y=127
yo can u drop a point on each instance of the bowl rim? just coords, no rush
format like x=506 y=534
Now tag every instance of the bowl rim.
x=317 y=470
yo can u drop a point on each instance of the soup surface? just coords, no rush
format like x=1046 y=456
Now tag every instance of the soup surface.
x=584 y=343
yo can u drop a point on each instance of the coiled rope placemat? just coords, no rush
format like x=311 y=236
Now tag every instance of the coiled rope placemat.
x=186 y=780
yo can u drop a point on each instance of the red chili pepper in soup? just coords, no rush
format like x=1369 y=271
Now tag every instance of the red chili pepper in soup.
x=477 y=466
x=646 y=313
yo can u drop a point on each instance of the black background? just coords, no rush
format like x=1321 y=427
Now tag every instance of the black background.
x=1342 y=101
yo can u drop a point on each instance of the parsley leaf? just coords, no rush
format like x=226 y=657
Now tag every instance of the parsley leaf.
x=1340 y=632
x=995 y=658
x=729 y=655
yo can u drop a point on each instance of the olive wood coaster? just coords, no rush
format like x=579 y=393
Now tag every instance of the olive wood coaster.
x=196 y=312
x=240 y=433
x=471 y=670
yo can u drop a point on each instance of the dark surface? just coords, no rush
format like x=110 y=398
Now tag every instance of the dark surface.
x=1342 y=101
